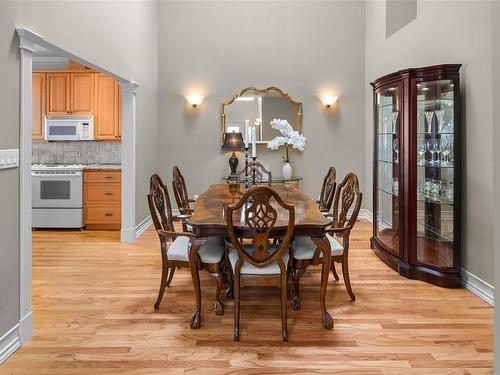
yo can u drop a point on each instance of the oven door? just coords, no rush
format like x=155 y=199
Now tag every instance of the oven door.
x=53 y=190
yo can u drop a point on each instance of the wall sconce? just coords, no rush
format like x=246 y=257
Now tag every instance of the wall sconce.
x=194 y=100
x=328 y=100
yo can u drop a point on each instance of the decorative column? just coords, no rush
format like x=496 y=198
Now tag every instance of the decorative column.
x=25 y=90
x=129 y=90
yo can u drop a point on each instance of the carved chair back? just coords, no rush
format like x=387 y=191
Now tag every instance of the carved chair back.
x=260 y=217
x=348 y=196
x=328 y=190
x=260 y=172
x=180 y=191
x=159 y=204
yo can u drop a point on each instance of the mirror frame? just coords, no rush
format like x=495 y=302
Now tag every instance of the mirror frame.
x=256 y=91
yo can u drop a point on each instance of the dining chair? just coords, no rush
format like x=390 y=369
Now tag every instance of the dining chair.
x=210 y=255
x=262 y=175
x=304 y=250
x=260 y=258
x=327 y=191
x=181 y=195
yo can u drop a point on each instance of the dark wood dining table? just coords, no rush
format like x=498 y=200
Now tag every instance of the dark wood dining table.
x=209 y=219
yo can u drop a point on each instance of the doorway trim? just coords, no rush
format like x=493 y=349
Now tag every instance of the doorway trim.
x=28 y=42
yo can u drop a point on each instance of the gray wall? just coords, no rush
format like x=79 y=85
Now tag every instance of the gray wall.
x=496 y=142
x=121 y=38
x=218 y=49
x=463 y=36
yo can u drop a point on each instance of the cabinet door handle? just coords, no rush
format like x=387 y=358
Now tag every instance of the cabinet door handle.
x=108 y=214
x=108 y=193
x=108 y=177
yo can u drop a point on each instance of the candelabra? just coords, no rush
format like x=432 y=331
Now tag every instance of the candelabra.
x=254 y=170
x=246 y=167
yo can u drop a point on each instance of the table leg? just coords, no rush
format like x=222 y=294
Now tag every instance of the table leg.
x=324 y=245
x=193 y=247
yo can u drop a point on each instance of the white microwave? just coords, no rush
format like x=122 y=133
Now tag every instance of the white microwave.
x=69 y=128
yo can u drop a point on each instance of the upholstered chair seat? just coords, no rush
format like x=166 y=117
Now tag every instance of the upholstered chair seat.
x=249 y=269
x=304 y=247
x=210 y=252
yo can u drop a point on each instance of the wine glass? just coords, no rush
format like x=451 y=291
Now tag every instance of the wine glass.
x=432 y=147
x=439 y=116
x=395 y=146
x=447 y=147
x=439 y=151
x=394 y=117
x=428 y=117
x=421 y=148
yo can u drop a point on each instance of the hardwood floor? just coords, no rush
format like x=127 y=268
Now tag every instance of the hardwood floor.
x=93 y=305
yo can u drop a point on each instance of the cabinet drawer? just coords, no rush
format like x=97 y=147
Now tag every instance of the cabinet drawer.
x=101 y=192
x=103 y=215
x=111 y=176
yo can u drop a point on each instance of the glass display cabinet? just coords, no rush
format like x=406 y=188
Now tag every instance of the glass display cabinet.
x=416 y=179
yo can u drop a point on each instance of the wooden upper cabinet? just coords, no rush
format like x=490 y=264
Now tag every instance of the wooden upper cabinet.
x=107 y=119
x=38 y=105
x=82 y=93
x=58 y=93
x=78 y=93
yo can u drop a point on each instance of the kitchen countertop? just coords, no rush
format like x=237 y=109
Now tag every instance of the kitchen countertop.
x=103 y=167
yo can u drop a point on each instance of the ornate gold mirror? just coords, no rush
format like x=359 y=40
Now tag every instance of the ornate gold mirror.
x=259 y=107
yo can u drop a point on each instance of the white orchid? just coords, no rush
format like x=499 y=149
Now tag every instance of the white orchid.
x=289 y=137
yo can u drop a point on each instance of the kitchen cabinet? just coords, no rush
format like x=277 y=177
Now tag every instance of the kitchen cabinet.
x=102 y=199
x=58 y=94
x=82 y=93
x=38 y=106
x=107 y=115
x=70 y=93
x=78 y=93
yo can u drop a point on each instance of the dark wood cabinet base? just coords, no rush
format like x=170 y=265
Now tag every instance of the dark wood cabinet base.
x=417 y=272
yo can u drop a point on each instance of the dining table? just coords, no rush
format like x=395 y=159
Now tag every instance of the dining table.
x=210 y=219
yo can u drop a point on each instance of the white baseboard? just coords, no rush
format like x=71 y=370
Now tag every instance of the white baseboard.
x=127 y=235
x=143 y=226
x=132 y=234
x=365 y=214
x=26 y=327
x=479 y=287
x=9 y=343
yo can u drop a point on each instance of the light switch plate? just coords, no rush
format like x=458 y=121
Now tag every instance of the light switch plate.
x=9 y=158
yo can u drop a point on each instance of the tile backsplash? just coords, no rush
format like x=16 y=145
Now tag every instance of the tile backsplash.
x=87 y=152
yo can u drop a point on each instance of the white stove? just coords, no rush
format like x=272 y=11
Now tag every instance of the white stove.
x=57 y=195
x=56 y=168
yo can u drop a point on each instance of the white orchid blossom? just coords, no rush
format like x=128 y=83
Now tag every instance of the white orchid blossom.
x=288 y=137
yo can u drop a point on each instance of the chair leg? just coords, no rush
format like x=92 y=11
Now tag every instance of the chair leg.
x=334 y=271
x=284 y=327
x=296 y=274
x=237 y=307
x=345 y=274
x=219 y=307
x=171 y=276
x=163 y=284
x=228 y=271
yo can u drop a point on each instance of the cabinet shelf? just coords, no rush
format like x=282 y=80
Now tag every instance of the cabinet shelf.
x=416 y=199
x=438 y=166
x=438 y=200
x=435 y=133
x=436 y=234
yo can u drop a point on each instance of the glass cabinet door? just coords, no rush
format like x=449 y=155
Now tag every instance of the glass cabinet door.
x=387 y=168
x=435 y=172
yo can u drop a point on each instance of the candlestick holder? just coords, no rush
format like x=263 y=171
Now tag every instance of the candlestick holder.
x=254 y=170
x=246 y=167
